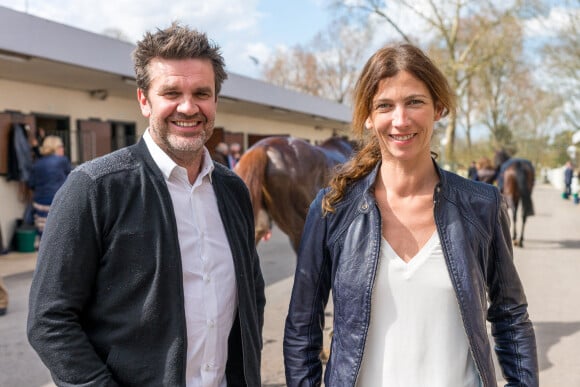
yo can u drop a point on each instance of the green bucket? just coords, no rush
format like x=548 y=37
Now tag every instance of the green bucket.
x=25 y=238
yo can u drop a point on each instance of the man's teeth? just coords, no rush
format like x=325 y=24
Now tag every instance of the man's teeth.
x=184 y=123
x=403 y=138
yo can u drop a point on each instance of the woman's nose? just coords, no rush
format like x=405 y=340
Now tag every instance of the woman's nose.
x=399 y=116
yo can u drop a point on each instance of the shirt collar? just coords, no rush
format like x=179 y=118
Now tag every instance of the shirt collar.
x=167 y=165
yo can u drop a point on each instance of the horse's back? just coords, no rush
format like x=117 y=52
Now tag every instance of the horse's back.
x=285 y=174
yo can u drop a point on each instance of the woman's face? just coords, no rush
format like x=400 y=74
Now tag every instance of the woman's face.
x=402 y=116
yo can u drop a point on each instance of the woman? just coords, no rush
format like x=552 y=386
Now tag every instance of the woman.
x=48 y=174
x=416 y=257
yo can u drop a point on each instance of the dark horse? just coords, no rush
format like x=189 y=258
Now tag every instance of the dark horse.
x=283 y=175
x=515 y=180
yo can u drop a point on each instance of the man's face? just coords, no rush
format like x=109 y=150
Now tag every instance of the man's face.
x=181 y=105
x=236 y=151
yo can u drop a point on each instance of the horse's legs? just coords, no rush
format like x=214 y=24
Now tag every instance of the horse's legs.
x=524 y=216
x=515 y=217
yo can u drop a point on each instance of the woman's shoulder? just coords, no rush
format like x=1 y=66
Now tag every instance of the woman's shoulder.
x=459 y=185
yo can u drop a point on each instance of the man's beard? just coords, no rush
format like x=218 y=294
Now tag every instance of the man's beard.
x=180 y=144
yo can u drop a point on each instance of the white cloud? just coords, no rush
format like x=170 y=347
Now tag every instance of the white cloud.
x=548 y=26
x=234 y=25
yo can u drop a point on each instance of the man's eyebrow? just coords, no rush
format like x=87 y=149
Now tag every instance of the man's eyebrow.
x=167 y=87
x=205 y=89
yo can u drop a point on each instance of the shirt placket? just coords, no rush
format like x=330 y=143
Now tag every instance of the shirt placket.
x=209 y=291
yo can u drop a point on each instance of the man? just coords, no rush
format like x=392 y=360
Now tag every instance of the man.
x=568 y=175
x=3 y=297
x=149 y=275
x=221 y=154
x=472 y=171
x=235 y=154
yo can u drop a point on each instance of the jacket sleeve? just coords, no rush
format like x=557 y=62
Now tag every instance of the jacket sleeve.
x=305 y=321
x=515 y=343
x=260 y=289
x=67 y=266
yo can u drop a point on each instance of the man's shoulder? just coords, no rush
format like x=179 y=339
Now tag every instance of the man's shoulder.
x=121 y=160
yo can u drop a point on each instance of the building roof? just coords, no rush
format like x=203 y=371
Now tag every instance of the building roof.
x=37 y=50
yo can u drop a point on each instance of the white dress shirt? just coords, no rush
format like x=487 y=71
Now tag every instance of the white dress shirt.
x=209 y=282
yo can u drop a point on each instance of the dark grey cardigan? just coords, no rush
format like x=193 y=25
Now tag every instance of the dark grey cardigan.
x=106 y=302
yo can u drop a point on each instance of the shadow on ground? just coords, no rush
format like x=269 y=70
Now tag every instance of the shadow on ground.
x=548 y=334
x=552 y=244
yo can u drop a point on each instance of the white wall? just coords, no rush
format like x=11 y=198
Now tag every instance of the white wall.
x=33 y=98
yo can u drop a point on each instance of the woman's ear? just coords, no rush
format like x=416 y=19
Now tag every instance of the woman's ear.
x=368 y=123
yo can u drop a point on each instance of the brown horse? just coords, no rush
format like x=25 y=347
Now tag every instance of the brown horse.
x=283 y=175
x=516 y=179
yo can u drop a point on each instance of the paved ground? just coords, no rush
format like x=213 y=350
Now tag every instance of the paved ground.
x=549 y=266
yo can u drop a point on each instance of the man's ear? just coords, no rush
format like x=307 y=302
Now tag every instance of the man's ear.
x=143 y=103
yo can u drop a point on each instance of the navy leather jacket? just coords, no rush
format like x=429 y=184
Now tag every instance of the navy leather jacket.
x=340 y=251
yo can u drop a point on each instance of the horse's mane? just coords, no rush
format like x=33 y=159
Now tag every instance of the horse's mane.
x=340 y=143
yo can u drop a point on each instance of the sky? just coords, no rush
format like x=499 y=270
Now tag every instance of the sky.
x=248 y=31
x=243 y=28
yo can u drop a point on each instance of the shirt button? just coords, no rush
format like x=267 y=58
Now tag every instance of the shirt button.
x=210 y=323
x=206 y=278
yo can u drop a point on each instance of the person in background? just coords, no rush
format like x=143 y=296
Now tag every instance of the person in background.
x=221 y=154
x=234 y=155
x=416 y=258
x=472 y=171
x=486 y=171
x=152 y=277
x=48 y=174
x=3 y=297
x=568 y=175
x=3 y=290
x=36 y=142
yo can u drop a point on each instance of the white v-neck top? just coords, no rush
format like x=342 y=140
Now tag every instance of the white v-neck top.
x=415 y=337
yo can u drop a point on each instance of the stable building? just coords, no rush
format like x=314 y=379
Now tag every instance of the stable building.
x=81 y=86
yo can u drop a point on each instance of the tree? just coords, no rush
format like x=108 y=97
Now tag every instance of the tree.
x=561 y=56
x=116 y=33
x=295 y=69
x=498 y=81
x=327 y=67
x=445 y=20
